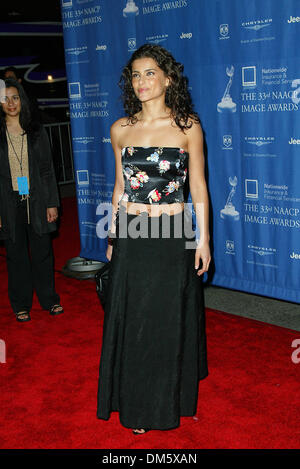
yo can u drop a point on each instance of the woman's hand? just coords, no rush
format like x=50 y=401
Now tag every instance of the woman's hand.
x=109 y=252
x=202 y=253
x=52 y=214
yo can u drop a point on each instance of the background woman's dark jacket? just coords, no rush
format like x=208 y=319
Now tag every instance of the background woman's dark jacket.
x=43 y=186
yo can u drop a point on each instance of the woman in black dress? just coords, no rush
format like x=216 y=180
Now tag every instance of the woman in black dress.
x=154 y=344
x=28 y=204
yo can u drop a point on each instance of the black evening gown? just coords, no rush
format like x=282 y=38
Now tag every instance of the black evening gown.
x=154 y=343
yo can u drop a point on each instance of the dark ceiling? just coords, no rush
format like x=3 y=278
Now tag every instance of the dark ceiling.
x=30 y=10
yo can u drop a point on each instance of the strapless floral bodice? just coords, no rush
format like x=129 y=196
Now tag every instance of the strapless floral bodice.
x=154 y=175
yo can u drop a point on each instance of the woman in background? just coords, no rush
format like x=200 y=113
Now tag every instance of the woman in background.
x=28 y=204
x=154 y=344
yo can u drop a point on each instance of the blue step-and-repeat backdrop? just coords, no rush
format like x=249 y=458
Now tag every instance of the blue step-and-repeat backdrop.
x=242 y=59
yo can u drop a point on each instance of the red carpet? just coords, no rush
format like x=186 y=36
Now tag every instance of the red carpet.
x=49 y=382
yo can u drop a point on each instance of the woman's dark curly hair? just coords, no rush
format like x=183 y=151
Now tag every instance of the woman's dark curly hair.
x=177 y=98
x=26 y=121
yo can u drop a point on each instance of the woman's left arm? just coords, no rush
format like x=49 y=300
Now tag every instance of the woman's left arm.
x=48 y=177
x=198 y=189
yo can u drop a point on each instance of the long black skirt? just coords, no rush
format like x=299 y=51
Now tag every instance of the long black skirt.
x=154 y=342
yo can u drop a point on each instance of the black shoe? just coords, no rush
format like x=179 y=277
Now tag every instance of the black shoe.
x=53 y=308
x=23 y=316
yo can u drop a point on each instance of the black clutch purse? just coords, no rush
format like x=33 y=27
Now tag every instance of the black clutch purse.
x=101 y=278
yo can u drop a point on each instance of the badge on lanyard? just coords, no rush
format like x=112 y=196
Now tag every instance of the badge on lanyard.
x=23 y=185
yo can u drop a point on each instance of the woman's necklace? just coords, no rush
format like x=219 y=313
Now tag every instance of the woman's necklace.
x=12 y=145
x=24 y=192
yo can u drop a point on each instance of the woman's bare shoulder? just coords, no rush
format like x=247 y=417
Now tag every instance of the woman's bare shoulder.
x=193 y=127
x=117 y=129
x=191 y=122
x=117 y=132
x=194 y=136
x=119 y=124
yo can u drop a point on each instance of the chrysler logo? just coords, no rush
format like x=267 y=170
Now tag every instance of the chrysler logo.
x=227 y=140
x=132 y=43
x=224 y=29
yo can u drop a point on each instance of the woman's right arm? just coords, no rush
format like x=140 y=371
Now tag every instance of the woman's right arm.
x=118 y=191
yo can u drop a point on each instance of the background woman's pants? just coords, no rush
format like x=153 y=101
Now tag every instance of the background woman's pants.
x=28 y=271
